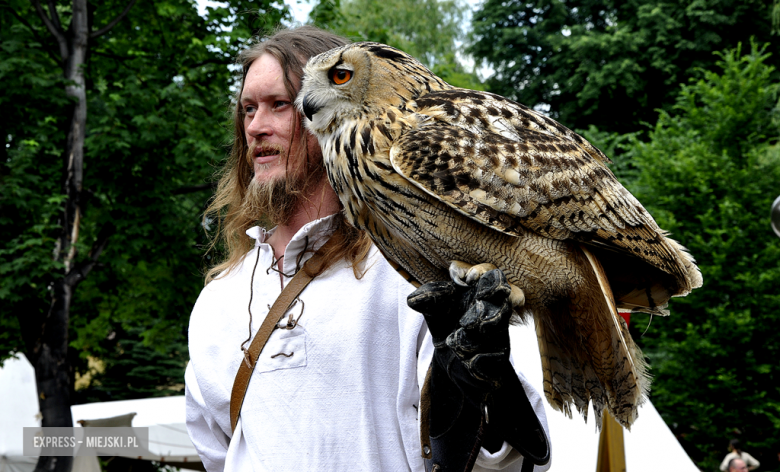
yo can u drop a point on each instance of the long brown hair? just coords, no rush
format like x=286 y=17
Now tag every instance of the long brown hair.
x=292 y=48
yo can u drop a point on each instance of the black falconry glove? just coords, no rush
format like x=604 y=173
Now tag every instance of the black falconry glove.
x=476 y=399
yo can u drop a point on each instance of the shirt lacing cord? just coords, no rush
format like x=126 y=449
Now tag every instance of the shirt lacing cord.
x=291 y=323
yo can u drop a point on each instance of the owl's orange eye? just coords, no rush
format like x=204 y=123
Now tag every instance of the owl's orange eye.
x=340 y=76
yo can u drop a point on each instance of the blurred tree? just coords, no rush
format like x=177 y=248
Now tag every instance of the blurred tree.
x=112 y=115
x=327 y=14
x=609 y=63
x=708 y=173
x=430 y=30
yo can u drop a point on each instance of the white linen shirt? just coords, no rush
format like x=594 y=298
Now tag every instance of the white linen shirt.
x=340 y=391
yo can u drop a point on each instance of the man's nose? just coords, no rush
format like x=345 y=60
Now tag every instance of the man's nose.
x=260 y=125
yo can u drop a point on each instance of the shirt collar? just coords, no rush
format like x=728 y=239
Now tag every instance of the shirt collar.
x=311 y=236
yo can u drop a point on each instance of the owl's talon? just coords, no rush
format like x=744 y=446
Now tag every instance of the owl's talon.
x=476 y=272
x=467 y=275
x=458 y=272
x=516 y=296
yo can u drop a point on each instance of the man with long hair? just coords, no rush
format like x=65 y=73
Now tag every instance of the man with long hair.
x=337 y=387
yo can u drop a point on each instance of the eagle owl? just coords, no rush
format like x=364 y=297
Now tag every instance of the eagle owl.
x=449 y=182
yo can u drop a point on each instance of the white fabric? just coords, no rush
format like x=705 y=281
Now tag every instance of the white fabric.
x=648 y=435
x=19 y=410
x=346 y=398
x=164 y=416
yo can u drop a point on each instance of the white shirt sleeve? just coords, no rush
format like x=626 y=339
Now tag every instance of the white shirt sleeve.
x=505 y=458
x=750 y=461
x=209 y=439
x=725 y=463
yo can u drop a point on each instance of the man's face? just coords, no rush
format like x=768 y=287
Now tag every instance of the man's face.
x=738 y=466
x=268 y=122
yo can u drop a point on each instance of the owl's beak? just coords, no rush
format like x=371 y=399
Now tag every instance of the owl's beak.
x=310 y=108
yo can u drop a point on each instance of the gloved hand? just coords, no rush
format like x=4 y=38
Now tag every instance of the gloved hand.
x=476 y=398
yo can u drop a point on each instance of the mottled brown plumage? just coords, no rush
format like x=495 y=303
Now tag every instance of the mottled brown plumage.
x=437 y=174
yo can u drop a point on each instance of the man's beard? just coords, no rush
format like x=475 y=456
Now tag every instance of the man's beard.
x=278 y=199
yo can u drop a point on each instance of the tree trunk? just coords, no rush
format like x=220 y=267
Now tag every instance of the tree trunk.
x=50 y=351
x=47 y=338
x=52 y=373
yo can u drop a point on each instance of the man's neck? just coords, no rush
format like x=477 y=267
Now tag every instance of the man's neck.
x=321 y=202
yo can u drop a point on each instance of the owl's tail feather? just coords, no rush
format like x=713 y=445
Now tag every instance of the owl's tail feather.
x=565 y=380
x=624 y=368
x=607 y=368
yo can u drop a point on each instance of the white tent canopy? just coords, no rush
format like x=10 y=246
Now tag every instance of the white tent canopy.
x=649 y=446
x=165 y=418
x=18 y=409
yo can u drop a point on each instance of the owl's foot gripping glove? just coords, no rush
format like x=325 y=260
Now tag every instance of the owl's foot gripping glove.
x=475 y=397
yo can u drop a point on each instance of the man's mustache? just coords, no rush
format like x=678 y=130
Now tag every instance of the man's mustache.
x=259 y=148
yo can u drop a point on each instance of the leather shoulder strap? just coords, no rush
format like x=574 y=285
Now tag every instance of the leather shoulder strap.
x=280 y=306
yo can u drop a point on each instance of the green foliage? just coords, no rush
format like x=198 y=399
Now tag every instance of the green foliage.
x=429 y=30
x=708 y=174
x=30 y=198
x=158 y=90
x=327 y=14
x=609 y=63
x=455 y=74
x=425 y=29
x=145 y=371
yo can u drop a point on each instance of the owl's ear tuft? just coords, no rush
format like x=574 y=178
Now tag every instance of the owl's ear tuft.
x=387 y=53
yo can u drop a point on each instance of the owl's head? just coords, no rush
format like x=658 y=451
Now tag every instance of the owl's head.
x=357 y=80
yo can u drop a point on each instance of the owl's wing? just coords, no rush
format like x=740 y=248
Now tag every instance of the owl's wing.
x=515 y=170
